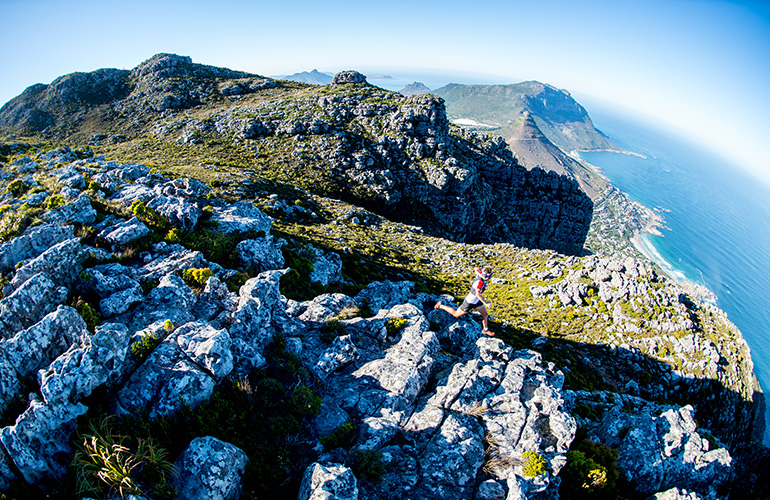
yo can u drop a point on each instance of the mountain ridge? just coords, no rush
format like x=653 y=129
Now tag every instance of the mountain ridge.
x=333 y=300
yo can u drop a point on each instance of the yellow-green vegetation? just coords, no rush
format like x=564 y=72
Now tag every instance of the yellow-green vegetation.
x=591 y=471
x=534 y=464
x=197 y=277
x=394 y=325
x=142 y=348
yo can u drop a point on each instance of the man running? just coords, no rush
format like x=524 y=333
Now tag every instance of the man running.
x=474 y=300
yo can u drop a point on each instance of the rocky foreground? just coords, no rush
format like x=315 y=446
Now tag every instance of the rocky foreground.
x=396 y=400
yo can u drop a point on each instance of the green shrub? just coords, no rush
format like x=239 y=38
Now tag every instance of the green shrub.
x=17 y=188
x=141 y=349
x=534 y=464
x=89 y=315
x=54 y=202
x=591 y=471
x=332 y=329
x=394 y=325
x=304 y=402
x=366 y=464
x=341 y=437
x=197 y=277
x=150 y=217
x=107 y=464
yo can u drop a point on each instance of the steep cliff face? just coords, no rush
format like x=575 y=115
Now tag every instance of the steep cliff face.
x=395 y=155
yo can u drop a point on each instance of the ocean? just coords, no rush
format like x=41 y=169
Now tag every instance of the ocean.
x=717 y=222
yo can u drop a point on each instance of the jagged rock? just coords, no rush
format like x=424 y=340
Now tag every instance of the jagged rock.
x=61 y=263
x=341 y=353
x=261 y=254
x=33 y=242
x=247 y=86
x=27 y=305
x=328 y=482
x=212 y=300
x=7 y=474
x=662 y=448
x=171 y=300
x=346 y=77
x=324 y=307
x=80 y=212
x=171 y=259
x=37 y=346
x=125 y=232
x=207 y=347
x=510 y=397
x=180 y=212
x=327 y=266
x=241 y=217
x=210 y=469
x=114 y=178
x=121 y=301
x=180 y=371
x=69 y=176
x=10 y=385
x=38 y=443
x=385 y=294
x=73 y=375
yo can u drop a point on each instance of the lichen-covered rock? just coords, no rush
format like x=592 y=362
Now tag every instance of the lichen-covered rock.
x=125 y=232
x=659 y=447
x=323 y=307
x=61 y=263
x=207 y=347
x=171 y=259
x=171 y=300
x=80 y=212
x=38 y=443
x=27 y=305
x=179 y=211
x=37 y=346
x=261 y=254
x=170 y=378
x=210 y=469
x=328 y=482
x=241 y=217
x=346 y=77
x=73 y=375
x=385 y=294
x=33 y=242
x=341 y=353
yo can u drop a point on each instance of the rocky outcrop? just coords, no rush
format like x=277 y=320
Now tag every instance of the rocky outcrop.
x=210 y=469
x=396 y=155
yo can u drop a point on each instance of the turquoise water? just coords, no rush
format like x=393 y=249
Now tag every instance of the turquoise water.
x=717 y=218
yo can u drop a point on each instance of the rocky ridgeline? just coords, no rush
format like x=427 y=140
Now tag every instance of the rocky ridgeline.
x=396 y=155
x=452 y=413
x=649 y=317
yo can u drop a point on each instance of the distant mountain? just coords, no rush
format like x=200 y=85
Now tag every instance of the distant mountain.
x=561 y=119
x=415 y=88
x=314 y=77
x=533 y=149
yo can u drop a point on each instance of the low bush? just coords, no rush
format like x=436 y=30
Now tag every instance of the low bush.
x=534 y=464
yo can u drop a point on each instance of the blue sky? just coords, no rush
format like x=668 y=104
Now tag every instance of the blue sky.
x=701 y=68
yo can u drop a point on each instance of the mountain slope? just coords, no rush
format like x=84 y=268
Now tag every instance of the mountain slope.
x=533 y=149
x=314 y=77
x=398 y=156
x=557 y=114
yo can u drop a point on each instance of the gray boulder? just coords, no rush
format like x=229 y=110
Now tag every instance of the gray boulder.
x=171 y=300
x=38 y=443
x=171 y=259
x=346 y=77
x=241 y=217
x=324 y=306
x=328 y=482
x=73 y=375
x=125 y=232
x=182 y=370
x=659 y=448
x=61 y=263
x=180 y=212
x=261 y=254
x=27 y=305
x=210 y=469
x=341 y=353
x=37 y=346
x=33 y=242
x=385 y=294
x=80 y=212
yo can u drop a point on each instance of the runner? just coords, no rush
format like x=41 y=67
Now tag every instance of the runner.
x=474 y=300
